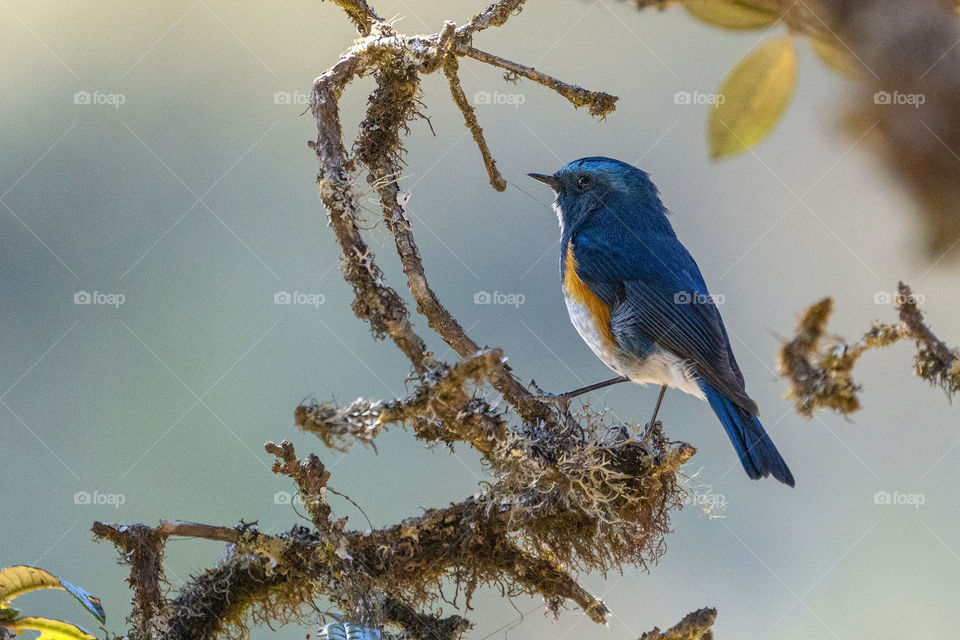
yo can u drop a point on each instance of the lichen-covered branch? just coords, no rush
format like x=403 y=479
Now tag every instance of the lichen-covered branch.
x=586 y=503
x=696 y=625
x=142 y=549
x=311 y=478
x=360 y=13
x=569 y=492
x=495 y=15
x=396 y=62
x=599 y=103
x=440 y=410
x=450 y=67
x=821 y=375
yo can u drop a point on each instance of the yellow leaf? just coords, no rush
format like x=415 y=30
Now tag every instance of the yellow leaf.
x=731 y=14
x=50 y=629
x=753 y=97
x=21 y=579
x=837 y=57
x=18 y=580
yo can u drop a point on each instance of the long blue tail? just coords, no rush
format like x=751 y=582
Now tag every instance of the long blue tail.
x=757 y=453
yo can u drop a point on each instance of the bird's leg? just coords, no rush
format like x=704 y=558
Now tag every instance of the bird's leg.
x=566 y=397
x=656 y=409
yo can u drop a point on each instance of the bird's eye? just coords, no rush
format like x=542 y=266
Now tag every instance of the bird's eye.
x=583 y=182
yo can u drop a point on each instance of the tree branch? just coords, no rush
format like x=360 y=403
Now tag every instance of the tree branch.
x=821 y=376
x=599 y=103
x=694 y=626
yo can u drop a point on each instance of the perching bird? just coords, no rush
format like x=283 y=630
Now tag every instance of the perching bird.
x=638 y=300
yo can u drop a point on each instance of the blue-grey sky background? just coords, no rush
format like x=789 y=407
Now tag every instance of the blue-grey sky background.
x=196 y=200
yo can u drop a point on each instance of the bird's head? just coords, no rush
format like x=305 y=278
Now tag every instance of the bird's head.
x=599 y=186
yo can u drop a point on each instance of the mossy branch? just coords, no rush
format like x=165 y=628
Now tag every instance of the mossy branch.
x=821 y=375
x=697 y=625
x=599 y=103
x=311 y=478
x=442 y=409
x=569 y=492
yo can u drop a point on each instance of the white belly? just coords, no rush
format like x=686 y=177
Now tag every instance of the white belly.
x=659 y=368
x=583 y=322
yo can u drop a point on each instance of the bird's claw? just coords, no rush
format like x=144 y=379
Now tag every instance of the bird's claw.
x=560 y=399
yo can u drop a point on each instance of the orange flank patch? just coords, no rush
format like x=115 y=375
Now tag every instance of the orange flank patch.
x=581 y=293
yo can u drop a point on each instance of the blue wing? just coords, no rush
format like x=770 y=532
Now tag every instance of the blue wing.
x=658 y=297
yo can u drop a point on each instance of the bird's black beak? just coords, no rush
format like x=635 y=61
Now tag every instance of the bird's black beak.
x=550 y=181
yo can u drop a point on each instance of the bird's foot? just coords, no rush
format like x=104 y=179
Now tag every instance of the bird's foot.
x=647 y=429
x=562 y=400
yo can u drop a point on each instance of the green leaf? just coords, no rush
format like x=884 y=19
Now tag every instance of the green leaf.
x=7 y=614
x=755 y=95
x=50 y=629
x=731 y=14
x=18 y=580
x=837 y=57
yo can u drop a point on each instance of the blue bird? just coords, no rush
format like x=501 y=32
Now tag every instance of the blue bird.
x=636 y=297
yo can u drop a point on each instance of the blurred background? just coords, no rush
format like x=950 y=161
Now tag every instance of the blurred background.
x=157 y=193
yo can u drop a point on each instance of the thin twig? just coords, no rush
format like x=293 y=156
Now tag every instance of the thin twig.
x=599 y=103
x=450 y=66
